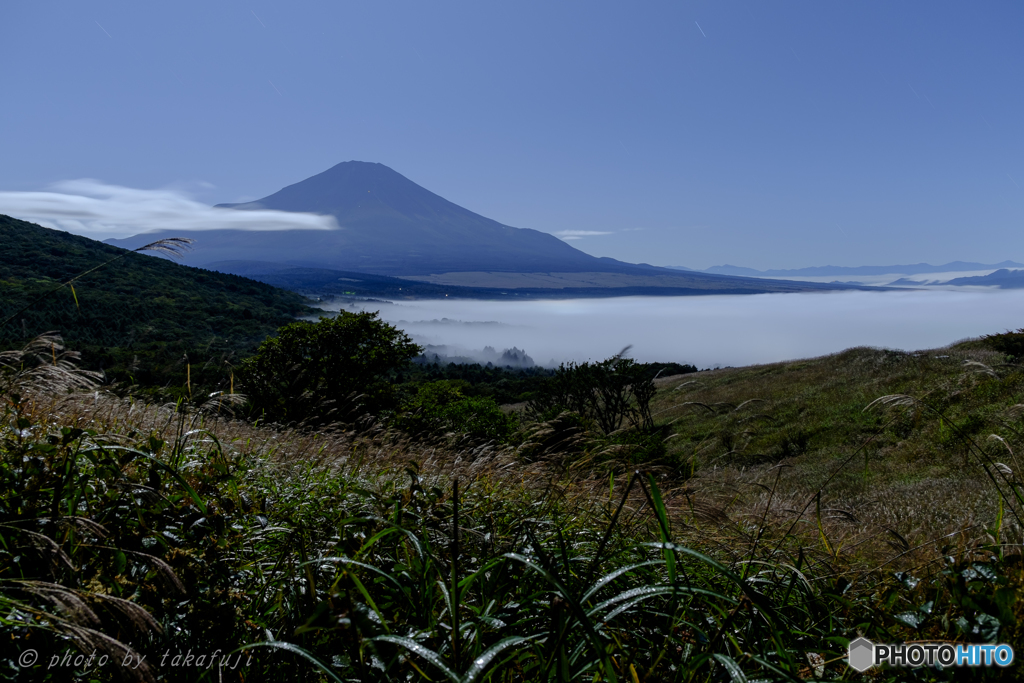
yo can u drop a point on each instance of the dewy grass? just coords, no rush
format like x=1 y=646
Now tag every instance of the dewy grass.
x=359 y=555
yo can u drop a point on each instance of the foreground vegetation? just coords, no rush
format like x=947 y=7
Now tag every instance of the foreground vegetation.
x=386 y=522
x=354 y=553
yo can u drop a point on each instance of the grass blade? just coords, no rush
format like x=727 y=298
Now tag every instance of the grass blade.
x=295 y=649
x=422 y=651
x=481 y=663
x=576 y=609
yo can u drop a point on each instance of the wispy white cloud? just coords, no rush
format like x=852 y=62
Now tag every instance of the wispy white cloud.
x=578 y=234
x=98 y=210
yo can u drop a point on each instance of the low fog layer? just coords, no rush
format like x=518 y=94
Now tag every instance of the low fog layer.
x=101 y=211
x=506 y=358
x=710 y=331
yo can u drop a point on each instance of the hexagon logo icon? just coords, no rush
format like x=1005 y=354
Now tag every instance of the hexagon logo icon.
x=861 y=654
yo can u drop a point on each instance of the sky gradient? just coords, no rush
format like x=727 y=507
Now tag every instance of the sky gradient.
x=764 y=135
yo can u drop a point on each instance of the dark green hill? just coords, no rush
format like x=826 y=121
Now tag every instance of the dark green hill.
x=138 y=318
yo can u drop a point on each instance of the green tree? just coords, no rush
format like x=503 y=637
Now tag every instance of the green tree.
x=440 y=407
x=319 y=372
x=610 y=400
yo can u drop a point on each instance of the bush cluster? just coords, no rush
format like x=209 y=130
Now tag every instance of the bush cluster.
x=322 y=372
x=441 y=407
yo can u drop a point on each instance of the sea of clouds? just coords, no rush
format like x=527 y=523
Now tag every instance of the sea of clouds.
x=710 y=331
x=706 y=331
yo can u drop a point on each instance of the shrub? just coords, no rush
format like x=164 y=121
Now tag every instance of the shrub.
x=312 y=371
x=1010 y=343
x=614 y=393
x=441 y=407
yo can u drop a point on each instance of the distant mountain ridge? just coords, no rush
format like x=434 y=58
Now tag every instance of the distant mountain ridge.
x=646 y=281
x=1003 y=278
x=825 y=271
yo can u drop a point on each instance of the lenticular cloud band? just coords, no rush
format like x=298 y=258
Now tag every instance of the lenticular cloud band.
x=95 y=209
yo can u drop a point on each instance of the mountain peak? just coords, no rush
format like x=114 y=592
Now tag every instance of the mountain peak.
x=389 y=225
x=350 y=187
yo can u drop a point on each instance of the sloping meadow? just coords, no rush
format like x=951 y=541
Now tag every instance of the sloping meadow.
x=152 y=536
x=879 y=448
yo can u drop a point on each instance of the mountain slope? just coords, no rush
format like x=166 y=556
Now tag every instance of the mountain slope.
x=827 y=271
x=512 y=286
x=1003 y=278
x=141 y=315
x=389 y=225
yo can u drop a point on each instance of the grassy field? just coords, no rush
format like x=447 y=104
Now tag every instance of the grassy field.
x=899 y=448
x=793 y=511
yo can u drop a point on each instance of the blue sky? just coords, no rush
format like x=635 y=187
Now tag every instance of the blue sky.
x=769 y=135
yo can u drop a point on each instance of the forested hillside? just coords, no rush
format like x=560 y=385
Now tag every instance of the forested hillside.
x=141 y=319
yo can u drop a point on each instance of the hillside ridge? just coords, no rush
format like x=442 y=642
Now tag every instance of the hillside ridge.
x=140 y=317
